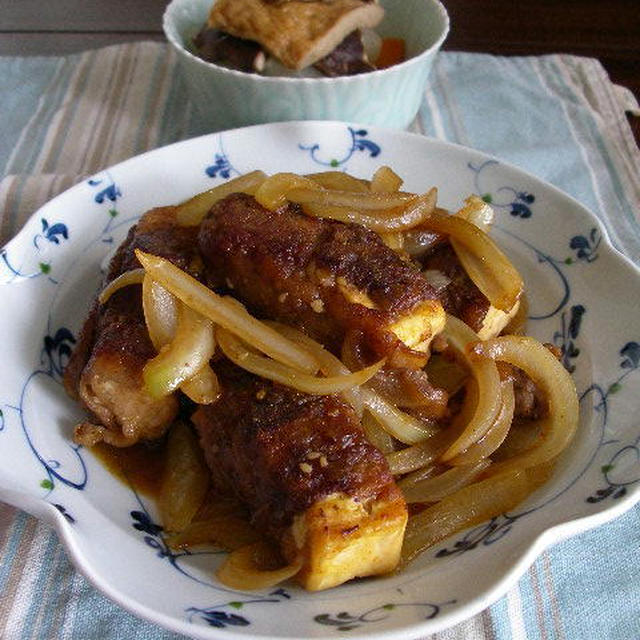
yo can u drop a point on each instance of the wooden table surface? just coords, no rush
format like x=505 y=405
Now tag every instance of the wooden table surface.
x=605 y=29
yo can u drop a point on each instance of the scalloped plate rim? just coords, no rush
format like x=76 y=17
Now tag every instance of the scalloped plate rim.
x=535 y=547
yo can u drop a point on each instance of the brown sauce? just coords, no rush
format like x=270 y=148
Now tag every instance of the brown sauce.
x=140 y=466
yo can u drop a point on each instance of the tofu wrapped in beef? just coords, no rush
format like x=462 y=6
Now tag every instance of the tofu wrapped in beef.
x=460 y=296
x=311 y=480
x=297 y=33
x=105 y=370
x=328 y=278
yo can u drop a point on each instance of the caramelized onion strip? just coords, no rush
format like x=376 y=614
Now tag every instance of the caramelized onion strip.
x=467 y=507
x=419 y=455
x=548 y=374
x=330 y=365
x=487 y=379
x=401 y=218
x=228 y=532
x=399 y=424
x=161 y=317
x=188 y=352
x=339 y=181
x=203 y=387
x=185 y=479
x=385 y=180
x=134 y=276
x=191 y=212
x=489 y=268
x=496 y=435
x=376 y=435
x=270 y=369
x=245 y=568
x=369 y=201
x=478 y=212
x=160 y=312
x=230 y=315
x=442 y=485
x=274 y=191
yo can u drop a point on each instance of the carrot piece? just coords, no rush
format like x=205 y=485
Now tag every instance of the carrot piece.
x=392 y=51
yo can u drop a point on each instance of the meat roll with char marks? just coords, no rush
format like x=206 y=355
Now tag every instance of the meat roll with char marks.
x=105 y=369
x=326 y=277
x=311 y=480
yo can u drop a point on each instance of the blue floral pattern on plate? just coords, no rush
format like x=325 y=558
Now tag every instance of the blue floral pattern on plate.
x=73 y=239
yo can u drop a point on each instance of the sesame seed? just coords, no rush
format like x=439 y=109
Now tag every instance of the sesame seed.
x=317 y=305
x=323 y=461
x=313 y=455
x=283 y=296
x=305 y=467
x=261 y=395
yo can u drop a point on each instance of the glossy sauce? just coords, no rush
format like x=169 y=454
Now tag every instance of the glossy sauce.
x=140 y=466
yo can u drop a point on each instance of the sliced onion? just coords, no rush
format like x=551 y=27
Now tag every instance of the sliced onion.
x=419 y=455
x=189 y=351
x=446 y=374
x=478 y=212
x=245 y=568
x=368 y=201
x=521 y=437
x=464 y=508
x=442 y=485
x=203 y=387
x=518 y=323
x=192 y=212
x=488 y=267
x=329 y=364
x=227 y=314
x=399 y=424
x=385 y=180
x=487 y=379
x=274 y=191
x=160 y=312
x=393 y=239
x=270 y=369
x=134 y=276
x=185 y=479
x=339 y=180
x=424 y=473
x=161 y=317
x=229 y=532
x=496 y=435
x=376 y=435
x=413 y=213
x=548 y=374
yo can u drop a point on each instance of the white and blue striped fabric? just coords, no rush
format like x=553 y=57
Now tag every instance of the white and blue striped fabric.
x=557 y=117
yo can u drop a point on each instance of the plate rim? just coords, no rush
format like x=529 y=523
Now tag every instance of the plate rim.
x=544 y=540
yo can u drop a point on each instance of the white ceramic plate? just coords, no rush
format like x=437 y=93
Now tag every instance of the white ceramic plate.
x=584 y=298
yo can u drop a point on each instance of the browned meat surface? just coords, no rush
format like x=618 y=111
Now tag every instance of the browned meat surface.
x=221 y=48
x=410 y=388
x=347 y=59
x=461 y=297
x=308 y=476
x=325 y=277
x=280 y=450
x=531 y=403
x=105 y=370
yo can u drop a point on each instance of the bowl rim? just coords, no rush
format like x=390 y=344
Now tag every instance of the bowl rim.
x=438 y=7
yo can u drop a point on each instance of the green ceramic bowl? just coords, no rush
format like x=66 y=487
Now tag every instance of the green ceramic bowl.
x=225 y=98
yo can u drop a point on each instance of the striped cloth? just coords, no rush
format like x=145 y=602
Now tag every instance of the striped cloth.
x=558 y=117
